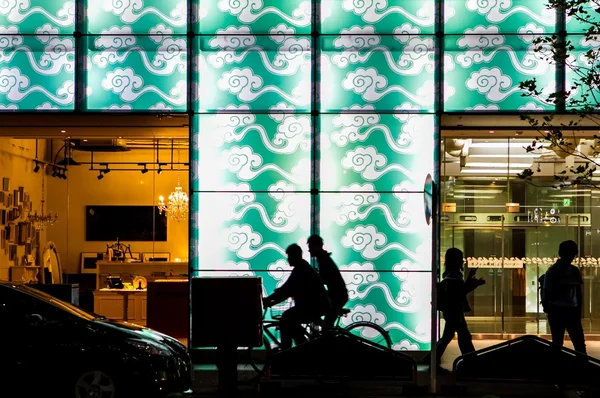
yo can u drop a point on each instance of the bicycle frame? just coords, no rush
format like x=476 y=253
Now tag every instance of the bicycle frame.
x=309 y=328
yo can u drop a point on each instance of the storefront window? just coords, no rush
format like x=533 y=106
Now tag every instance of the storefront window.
x=510 y=229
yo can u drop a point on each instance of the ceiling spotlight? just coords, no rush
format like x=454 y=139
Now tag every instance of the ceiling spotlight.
x=36 y=168
x=145 y=170
x=100 y=176
x=54 y=172
x=63 y=175
x=106 y=170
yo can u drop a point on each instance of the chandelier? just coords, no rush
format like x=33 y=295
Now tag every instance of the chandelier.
x=177 y=206
x=41 y=220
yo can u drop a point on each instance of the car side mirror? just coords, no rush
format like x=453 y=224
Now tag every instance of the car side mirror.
x=35 y=320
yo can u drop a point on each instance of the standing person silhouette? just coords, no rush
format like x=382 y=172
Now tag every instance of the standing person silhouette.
x=308 y=292
x=562 y=297
x=331 y=277
x=452 y=302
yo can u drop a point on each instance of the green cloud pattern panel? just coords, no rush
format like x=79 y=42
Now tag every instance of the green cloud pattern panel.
x=36 y=72
x=126 y=72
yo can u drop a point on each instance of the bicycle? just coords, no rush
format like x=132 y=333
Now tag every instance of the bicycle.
x=259 y=357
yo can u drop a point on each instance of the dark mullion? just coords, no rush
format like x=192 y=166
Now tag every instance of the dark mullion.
x=80 y=41
x=315 y=132
x=190 y=108
x=561 y=70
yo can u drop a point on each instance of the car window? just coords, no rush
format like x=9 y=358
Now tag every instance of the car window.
x=17 y=305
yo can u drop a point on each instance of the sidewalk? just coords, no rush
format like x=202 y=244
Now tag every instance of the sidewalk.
x=205 y=384
x=387 y=389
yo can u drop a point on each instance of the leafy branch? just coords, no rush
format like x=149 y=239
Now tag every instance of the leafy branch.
x=579 y=100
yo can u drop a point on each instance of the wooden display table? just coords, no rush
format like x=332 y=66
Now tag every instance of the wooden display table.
x=122 y=305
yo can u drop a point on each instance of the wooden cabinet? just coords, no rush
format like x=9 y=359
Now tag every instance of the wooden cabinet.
x=111 y=304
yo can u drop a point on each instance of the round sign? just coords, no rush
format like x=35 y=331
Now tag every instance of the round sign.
x=428 y=197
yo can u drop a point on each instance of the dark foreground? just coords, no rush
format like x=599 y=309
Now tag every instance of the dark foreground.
x=205 y=385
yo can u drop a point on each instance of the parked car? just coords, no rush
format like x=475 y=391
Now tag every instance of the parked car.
x=50 y=346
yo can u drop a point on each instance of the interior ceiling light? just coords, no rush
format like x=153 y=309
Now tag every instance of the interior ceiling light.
x=504 y=156
x=36 y=168
x=100 y=175
x=490 y=171
x=178 y=203
x=68 y=161
x=497 y=165
x=473 y=197
x=522 y=144
x=145 y=169
x=483 y=190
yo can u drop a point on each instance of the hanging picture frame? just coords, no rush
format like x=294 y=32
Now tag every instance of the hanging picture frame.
x=12 y=252
x=23 y=234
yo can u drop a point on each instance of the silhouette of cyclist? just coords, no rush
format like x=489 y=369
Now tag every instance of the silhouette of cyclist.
x=331 y=277
x=310 y=298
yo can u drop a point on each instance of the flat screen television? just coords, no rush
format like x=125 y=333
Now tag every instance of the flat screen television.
x=127 y=223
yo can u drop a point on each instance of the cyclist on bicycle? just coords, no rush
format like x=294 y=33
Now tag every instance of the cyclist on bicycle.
x=331 y=277
x=308 y=292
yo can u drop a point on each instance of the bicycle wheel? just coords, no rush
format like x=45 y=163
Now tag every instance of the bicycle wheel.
x=256 y=359
x=372 y=332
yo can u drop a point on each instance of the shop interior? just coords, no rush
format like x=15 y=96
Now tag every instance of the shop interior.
x=510 y=229
x=107 y=213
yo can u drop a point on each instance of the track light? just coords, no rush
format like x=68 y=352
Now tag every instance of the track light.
x=36 y=168
x=160 y=165
x=145 y=170
x=100 y=176
x=106 y=170
x=63 y=175
x=54 y=172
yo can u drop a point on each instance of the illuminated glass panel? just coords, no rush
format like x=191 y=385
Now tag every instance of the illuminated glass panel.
x=512 y=16
x=579 y=67
x=136 y=72
x=262 y=72
x=376 y=231
x=254 y=152
x=382 y=72
x=381 y=152
x=55 y=17
x=483 y=72
x=248 y=231
x=137 y=16
x=589 y=20
x=258 y=17
x=36 y=72
x=397 y=301
x=381 y=16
